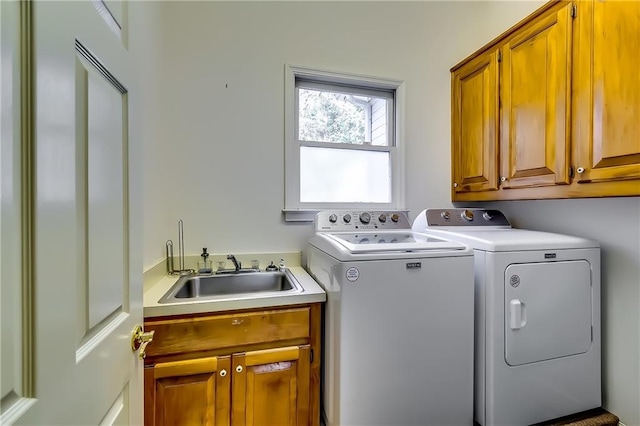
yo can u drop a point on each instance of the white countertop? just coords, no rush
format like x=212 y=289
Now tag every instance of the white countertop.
x=311 y=293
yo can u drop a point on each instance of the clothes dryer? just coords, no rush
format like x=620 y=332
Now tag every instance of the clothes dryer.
x=537 y=317
x=398 y=322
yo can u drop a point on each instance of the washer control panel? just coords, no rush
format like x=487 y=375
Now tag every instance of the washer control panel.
x=350 y=220
x=466 y=217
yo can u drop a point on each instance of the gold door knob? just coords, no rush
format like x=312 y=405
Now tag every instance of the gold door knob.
x=140 y=340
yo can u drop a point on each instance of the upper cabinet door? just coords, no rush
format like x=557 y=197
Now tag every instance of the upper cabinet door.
x=607 y=97
x=535 y=95
x=474 y=109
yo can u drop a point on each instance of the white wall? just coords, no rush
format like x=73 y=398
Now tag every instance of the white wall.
x=215 y=153
x=214 y=141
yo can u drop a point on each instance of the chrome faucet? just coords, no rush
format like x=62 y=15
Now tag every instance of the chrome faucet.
x=237 y=264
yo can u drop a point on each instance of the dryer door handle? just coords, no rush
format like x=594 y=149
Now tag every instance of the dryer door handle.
x=518 y=314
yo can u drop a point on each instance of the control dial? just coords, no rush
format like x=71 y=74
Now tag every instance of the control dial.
x=445 y=215
x=346 y=218
x=333 y=218
x=365 y=217
x=467 y=215
x=487 y=216
x=395 y=217
x=382 y=218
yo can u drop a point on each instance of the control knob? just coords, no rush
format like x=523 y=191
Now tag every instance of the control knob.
x=382 y=218
x=346 y=218
x=445 y=215
x=333 y=218
x=365 y=217
x=467 y=215
x=395 y=217
x=487 y=216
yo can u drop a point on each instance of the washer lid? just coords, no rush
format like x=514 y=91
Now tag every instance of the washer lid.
x=405 y=241
x=510 y=239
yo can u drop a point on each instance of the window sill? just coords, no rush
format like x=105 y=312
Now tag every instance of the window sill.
x=299 y=215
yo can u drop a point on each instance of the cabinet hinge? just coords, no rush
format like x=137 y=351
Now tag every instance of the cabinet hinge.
x=311 y=355
x=571 y=172
x=499 y=55
x=574 y=10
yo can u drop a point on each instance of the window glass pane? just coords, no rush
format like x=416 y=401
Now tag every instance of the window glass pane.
x=341 y=117
x=330 y=175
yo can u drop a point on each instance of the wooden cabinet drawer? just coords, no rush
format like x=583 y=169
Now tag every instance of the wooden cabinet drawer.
x=174 y=336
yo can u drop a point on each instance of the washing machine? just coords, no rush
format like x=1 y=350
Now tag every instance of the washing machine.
x=398 y=322
x=537 y=317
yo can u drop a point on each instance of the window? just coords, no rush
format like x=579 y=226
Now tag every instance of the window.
x=343 y=148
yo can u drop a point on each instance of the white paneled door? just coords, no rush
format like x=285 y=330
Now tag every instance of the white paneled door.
x=71 y=262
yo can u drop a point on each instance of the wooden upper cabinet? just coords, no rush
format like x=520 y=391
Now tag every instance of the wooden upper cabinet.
x=535 y=91
x=607 y=92
x=191 y=392
x=474 y=109
x=271 y=387
x=567 y=89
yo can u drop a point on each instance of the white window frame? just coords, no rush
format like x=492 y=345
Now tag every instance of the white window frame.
x=294 y=209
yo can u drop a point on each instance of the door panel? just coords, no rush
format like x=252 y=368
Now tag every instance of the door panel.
x=118 y=413
x=475 y=126
x=608 y=91
x=536 y=101
x=548 y=310
x=192 y=392
x=102 y=122
x=271 y=387
x=115 y=16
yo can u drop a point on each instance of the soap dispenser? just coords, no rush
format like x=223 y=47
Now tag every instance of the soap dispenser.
x=204 y=266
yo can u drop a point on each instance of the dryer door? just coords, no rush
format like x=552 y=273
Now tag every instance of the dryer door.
x=547 y=310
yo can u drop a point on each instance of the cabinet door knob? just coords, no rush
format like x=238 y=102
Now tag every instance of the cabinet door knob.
x=580 y=170
x=223 y=373
x=455 y=185
x=239 y=369
x=503 y=179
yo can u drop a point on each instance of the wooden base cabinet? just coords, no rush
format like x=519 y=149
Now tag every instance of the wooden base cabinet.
x=271 y=387
x=569 y=102
x=192 y=392
x=247 y=368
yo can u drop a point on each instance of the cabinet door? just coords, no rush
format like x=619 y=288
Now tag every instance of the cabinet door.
x=607 y=135
x=192 y=392
x=271 y=387
x=474 y=125
x=536 y=95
